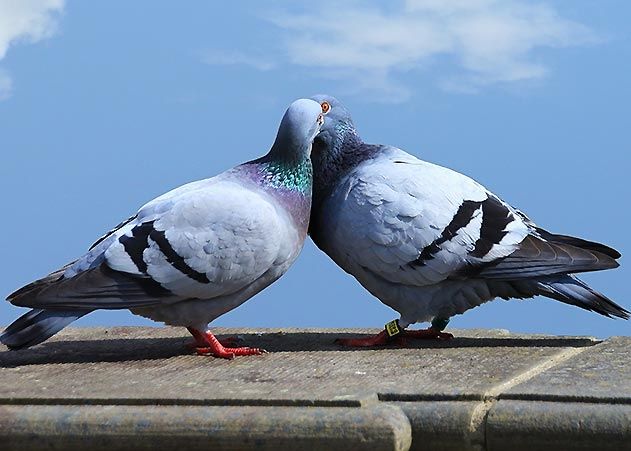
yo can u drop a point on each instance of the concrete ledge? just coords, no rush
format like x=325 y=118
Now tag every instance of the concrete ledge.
x=444 y=425
x=107 y=428
x=137 y=388
x=532 y=426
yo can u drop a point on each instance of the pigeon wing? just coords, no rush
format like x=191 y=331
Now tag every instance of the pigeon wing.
x=427 y=223
x=200 y=241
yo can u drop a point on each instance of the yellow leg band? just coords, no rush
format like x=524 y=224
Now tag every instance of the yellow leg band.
x=393 y=329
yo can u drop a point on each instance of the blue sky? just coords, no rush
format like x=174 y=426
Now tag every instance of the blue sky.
x=105 y=105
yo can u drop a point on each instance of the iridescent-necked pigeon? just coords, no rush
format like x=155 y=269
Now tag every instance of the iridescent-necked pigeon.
x=193 y=253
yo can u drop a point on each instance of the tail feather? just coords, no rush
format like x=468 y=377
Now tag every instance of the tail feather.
x=571 y=290
x=537 y=257
x=37 y=326
x=579 y=242
x=37 y=285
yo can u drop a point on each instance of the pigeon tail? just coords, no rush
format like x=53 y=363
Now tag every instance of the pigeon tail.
x=37 y=326
x=547 y=256
x=571 y=290
x=579 y=242
x=38 y=285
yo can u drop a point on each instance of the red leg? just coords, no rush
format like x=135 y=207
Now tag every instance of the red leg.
x=207 y=344
x=429 y=333
x=381 y=339
x=396 y=337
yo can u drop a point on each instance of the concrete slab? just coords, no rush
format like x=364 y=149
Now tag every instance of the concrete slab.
x=601 y=373
x=444 y=425
x=129 y=388
x=111 y=428
x=151 y=365
x=542 y=426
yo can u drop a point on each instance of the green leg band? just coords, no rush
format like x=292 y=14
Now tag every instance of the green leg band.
x=440 y=323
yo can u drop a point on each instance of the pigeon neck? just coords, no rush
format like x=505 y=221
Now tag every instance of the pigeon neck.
x=290 y=172
x=289 y=148
x=289 y=181
x=280 y=156
x=332 y=161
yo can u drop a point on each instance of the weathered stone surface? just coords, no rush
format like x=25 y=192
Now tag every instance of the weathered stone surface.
x=443 y=425
x=303 y=367
x=600 y=373
x=109 y=428
x=123 y=388
x=541 y=425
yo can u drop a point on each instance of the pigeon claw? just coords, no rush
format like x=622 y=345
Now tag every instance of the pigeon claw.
x=207 y=344
x=382 y=338
x=229 y=353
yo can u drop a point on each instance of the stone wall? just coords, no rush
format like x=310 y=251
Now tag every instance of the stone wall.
x=141 y=388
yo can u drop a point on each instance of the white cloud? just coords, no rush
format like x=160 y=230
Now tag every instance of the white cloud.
x=26 y=21
x=481 y=42
x=227 y=58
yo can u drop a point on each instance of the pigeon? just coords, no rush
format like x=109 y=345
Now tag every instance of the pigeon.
x=192 y=254
x=432 y=243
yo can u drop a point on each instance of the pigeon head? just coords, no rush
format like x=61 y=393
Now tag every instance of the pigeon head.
x=300 y=124
x=338 y=124
x=337 y=148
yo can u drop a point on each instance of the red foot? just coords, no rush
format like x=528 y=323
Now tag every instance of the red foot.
x=207 y=344
x=381 y=339
x=429 y=333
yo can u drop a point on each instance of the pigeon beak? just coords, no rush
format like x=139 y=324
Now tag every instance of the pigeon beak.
x=320 y=120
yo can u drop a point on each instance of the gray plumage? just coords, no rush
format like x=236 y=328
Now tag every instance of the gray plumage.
x=432 y=243
x=193 y=253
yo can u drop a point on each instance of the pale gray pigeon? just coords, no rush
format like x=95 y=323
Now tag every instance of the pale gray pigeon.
x=193 y=253
x=432 y=243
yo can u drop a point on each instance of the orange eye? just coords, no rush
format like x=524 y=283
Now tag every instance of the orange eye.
x=326 y=107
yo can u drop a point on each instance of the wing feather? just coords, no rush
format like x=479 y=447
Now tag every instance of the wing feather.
x=537 y=257
x=198 y=242
x=416 y=223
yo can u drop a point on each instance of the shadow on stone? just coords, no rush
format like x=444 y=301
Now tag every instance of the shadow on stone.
x=137 y=349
